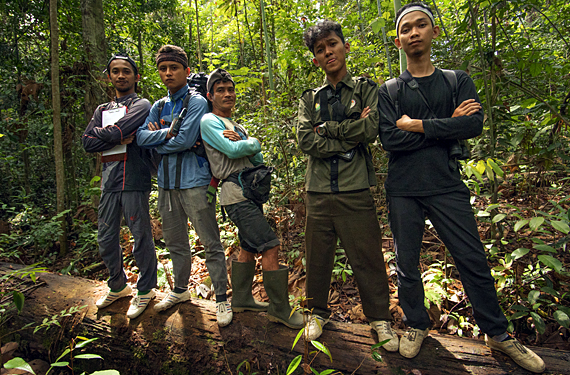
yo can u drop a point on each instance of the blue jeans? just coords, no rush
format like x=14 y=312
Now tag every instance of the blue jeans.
x=176 y=206
x=133 y=205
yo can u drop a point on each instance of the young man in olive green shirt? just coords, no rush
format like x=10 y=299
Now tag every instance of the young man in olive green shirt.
x=336 y=123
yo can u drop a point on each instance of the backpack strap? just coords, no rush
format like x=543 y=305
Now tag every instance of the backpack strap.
x=393 y=88
x=451 y=78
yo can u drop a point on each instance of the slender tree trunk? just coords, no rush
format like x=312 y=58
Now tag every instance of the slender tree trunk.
x=403 y=60
x=267 y=46
x=198 y=35
x=249 y=30
x=95 y=47
x=385 y=41
x=57 y=133
x=241 y=56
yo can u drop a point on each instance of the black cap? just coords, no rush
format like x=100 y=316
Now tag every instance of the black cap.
x=122 y=57
x=217 y=75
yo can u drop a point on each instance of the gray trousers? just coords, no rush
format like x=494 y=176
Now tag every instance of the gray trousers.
x=176 y=206
x=352 y=218
x=133 y=205
x=452 y=217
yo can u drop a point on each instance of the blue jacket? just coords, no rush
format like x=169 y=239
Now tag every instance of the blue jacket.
x=179 y=168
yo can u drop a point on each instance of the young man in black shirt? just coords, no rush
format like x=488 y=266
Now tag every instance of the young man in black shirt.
x=424 y=180
x=125 y=184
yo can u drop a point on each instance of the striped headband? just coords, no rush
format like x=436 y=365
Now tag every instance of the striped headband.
x=414 y=8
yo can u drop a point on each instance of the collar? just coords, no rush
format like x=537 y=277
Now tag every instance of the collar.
x=346 y=80
x=178 y=94
x=125 y=98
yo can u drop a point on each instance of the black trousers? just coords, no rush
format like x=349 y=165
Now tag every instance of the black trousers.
x=352 y=218
x=452 y=216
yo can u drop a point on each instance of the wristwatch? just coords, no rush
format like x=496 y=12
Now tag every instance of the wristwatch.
x=321 y=130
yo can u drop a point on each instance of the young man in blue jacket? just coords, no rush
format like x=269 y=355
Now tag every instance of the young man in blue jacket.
x=421 y=134
x=183 y=180
x=230 y=150
x=125 y=186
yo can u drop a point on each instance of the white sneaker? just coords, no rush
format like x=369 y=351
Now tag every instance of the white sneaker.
x=139 y=303
x=314 y=327
x=522 y=355
x=113 y=296
x=385 y=332
x=224 y=314
x=411 y=342
x=172 y=299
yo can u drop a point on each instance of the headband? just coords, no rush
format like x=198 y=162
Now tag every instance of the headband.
x=414 y=8
x=169 y=56
x=121 y=57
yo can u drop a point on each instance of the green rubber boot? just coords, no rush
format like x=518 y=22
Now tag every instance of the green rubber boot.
x=242 y=278
x=279 y=311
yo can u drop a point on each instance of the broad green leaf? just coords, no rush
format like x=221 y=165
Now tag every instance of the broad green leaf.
x=19 y=364
x=535 y=222
x=59 y=364
x=519 y=308
x=495 y=167
x=560 y=226
x=294 y=364
x=18 y=300
x=519 y=253
x=481 y=167
x=528 y=103
x=377 y=356
x=88 y=356
x=378 y=24
x=519 y=224
x=83 y=343
x=562 y=319
x=551 y=262
x=322 y=348
x=550 y=291
x=518 y=315
x=327 y=372
x=498 y=217
x=533 y=296
x=538 y=322
x=106 y=372
x=299 y=335
x=65 y=352
x=547 y=248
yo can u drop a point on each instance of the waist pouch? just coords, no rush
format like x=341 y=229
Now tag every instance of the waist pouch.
x=255 y=182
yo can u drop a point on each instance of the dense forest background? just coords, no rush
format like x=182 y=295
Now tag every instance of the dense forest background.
x=516 y=51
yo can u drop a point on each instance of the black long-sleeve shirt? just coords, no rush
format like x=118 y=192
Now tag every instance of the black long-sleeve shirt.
x=132 y=171
x=419 y=162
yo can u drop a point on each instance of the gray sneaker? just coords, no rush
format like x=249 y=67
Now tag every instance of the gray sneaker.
x=111 y=297
x=411 y=342
x=139 y=304
x=385 y=332
x=172 y=299
x=314 y=327
x=523 y=356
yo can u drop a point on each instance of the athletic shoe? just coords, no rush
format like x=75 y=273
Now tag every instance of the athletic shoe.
x=113 y=296
x=411 y=342
x=139 y=303
x=314 y=327
x=523 y=356
x=172 y=299
x=224 y=314
x=385 y=332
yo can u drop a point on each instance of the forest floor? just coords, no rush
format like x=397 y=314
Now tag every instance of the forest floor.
x=449 y=309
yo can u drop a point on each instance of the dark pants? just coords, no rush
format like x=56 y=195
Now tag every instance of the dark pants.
x=352 y=218
x=133 y=205
x=452 y=216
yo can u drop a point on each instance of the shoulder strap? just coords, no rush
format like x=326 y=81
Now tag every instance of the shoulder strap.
x=161 y=104
x=392 y=87
x=451 y=78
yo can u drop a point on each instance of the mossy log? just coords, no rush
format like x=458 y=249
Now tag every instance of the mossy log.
x=187 y=340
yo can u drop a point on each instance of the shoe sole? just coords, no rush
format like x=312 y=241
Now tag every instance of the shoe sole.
x=242 y=309
x=275 y=319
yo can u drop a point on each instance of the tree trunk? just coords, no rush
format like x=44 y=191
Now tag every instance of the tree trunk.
x=57 y=133
x=187 y=340
x=95 y=46
x=198 y=36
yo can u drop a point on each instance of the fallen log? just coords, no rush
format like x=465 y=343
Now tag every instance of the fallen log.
x=187 y=340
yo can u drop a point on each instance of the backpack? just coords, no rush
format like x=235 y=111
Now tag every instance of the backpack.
x=197 y=85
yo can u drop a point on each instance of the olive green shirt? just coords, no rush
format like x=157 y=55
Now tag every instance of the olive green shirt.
x=326 y=171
